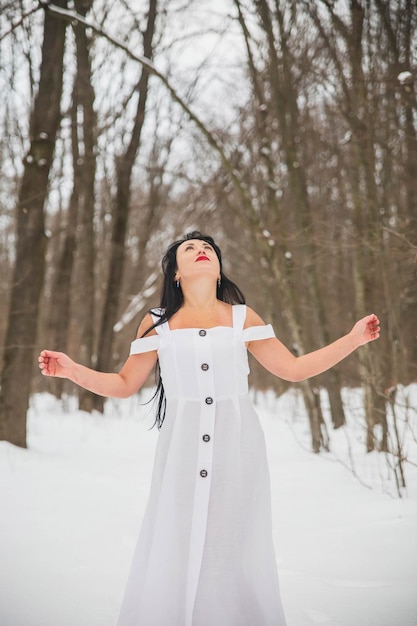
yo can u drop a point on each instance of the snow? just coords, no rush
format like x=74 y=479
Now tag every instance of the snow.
x=71 y=507
x=405 y=77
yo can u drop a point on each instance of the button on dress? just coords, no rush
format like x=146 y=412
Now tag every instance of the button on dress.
x=205 y=554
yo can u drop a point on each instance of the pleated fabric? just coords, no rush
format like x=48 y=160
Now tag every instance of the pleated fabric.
x=205 y=554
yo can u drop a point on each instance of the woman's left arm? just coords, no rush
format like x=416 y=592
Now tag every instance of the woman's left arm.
x=278 y=360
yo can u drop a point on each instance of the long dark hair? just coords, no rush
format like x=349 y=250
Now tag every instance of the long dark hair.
x=172 y=300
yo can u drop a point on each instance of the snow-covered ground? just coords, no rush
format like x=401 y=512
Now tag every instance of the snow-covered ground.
x=71 y=506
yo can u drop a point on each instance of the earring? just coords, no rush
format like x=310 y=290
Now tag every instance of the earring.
x=219 y=282
x=177 y=284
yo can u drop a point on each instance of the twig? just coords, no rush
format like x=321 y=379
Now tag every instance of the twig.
x=20 y=22
x=400 y=236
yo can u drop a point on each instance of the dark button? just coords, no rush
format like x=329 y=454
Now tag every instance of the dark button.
x=202 y=333
x=204 y=367
x=209 y=400
x=203 y=473
x=206 y=438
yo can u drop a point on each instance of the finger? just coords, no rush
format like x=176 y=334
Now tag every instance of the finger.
x=372 y=322
x=374 y=332
x=51 y=354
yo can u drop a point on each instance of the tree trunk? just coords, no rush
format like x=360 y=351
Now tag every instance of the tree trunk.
x=361 y=159
x=283 y=97
x=58 y=320
x=84 y=158
x=121 y=214
x=20 y=339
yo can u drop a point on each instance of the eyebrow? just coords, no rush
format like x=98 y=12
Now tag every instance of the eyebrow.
x=192 y=244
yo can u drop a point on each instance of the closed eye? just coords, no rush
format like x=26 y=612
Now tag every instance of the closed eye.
x=191 y=246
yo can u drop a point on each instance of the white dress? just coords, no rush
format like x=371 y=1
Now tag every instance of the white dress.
x=205 y=554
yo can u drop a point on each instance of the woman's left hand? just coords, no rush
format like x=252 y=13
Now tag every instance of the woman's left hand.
x=365 y=330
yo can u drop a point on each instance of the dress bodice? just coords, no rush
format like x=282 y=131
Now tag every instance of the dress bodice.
x=196 y=362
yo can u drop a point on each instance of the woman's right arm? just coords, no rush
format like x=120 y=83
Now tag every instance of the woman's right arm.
x=131 y=377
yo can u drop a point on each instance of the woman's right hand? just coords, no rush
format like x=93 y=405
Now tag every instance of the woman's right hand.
x=123 y=384
x=55 y=364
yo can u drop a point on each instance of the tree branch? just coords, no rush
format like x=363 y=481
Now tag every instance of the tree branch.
x=145 y=62
x=401 y=237
x=20 y=22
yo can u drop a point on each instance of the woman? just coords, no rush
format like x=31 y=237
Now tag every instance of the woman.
x=205 y=553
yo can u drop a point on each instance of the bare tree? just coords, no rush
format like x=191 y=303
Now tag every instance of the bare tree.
x=120 y=214
x=78 y=234
x=358 y=78
x=28 y=273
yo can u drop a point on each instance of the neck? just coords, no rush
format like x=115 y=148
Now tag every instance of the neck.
x=199 y=297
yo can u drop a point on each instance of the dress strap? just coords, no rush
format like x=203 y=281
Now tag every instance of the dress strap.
x=163 y=328
x=150 y=342
x=145 y=344
x=239 y=316
x=254 y=333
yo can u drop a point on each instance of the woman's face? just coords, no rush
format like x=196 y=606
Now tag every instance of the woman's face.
x=195 y=258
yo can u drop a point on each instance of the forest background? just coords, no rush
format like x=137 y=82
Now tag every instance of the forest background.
x=287 y=130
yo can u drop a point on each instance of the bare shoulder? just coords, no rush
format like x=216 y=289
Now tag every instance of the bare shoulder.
x=145 y=324
x=252 y=318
